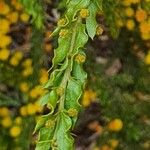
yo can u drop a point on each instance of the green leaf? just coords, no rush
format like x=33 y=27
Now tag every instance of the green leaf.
x=73 y=94
x=81 y=38
x=63 y=138
x=45 y=137
x=74 y=6
x=78 y=72
x=50 y=99
x=91 y=23
x=56 y=75
x=63 y=47
x=41 y=122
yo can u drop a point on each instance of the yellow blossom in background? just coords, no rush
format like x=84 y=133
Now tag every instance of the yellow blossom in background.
x=27 y=63
x=38 y=107
x=113 y=143
x=23 y=111
x=24 y=17
x=130 y=24
x=4 y=26
x=13 y=17
x=15 y=131
x=147 y=58
x=144 y=27
x=18 y=55
x=126 y=2
x=6 y=122
x=36 y=92
x=15 y=59
x=31 y=109
x=18 y=6
x=140 y=15
x=88 y=97
x=4 y=111
x=5 y=41
x=4 y=8
x=24 y=87
x=129 y=12
x=43 y=76
x=18 y=120
x=106 y=147
x=27 y=71
x=119 y=23
x=115 y=125
x=4 y=54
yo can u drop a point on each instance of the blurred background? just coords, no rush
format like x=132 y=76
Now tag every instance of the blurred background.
x=116 y=101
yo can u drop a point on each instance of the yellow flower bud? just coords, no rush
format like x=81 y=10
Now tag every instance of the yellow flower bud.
x=62 y=22
x=63 y=33
x=60 y=91
x=50 y=123
x=72 y=112
x=84 y=13
x=80 y=58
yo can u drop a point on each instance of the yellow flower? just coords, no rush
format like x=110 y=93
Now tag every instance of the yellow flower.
x=18 y=120
x=126 y=2
x=105 y=147
x=115 y=125
x=24 y=87
x=31 y=109
x=88 y=97
x=113 y=143
x=24 y=17
x=130 y=24
x=119 y=23
x=43 y=76
x=35 y=92
x=13 y=17
x=145 y=27
x=38 y=107
x=27 y=71
x=23 y=111
x=5 y=41
x=27 y=63
x=129 y=12
x=4 y=54
x=4 y=111
x=140 y=15
x=16 y=4
x=15 y=131
x=145 y=36
x=13 y=61
x=4 y=26
x=147 y=58
x=6 y=122
x=4 y=8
